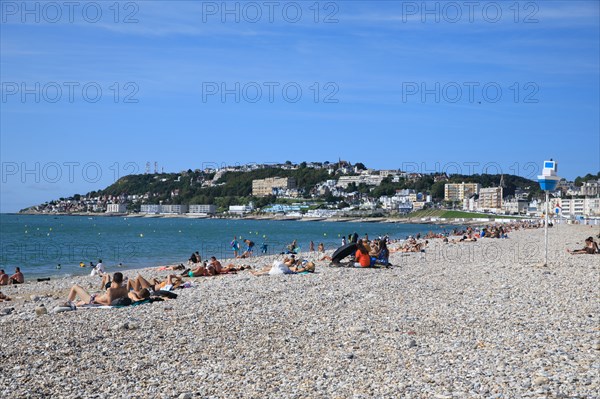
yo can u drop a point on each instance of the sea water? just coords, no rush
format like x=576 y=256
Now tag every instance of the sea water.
x=40 y=243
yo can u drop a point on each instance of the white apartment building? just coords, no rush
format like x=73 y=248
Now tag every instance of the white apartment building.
x=174 y=209
x=588 y=206
x=150 y=208
x=116 y=208
x=369 y=180
x=240 y=209
x=202 y=209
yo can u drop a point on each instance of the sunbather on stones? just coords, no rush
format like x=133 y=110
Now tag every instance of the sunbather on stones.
x=139 y=283
x=115 y=291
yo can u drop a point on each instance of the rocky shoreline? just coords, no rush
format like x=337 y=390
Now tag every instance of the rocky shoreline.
x=467 y=320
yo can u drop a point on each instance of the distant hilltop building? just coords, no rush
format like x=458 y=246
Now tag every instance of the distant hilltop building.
x=591 y=188
x=460 y=191
x=265 y=187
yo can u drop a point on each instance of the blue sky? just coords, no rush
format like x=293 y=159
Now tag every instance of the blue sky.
x=385 y=76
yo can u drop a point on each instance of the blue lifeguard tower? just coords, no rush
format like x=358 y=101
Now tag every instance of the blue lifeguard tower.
x=548 y=181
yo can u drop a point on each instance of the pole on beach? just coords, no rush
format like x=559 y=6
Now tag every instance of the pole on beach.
x=548 y=181
x=546 y=229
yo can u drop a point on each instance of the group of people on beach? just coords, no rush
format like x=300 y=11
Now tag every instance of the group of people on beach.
x=16 y=278
x=368 y=253
x=120 y=291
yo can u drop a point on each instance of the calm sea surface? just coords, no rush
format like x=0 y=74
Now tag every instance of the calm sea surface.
x=38 y=244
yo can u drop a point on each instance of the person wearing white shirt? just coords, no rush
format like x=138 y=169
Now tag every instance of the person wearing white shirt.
x=99 y=269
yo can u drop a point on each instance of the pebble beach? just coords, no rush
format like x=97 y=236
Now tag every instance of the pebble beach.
x=467 y=320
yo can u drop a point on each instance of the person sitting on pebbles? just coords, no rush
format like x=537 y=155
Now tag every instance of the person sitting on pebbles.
x=249 y=250
x=16 y=278
x=115 y=291
x=590 y=248
x=3 y=277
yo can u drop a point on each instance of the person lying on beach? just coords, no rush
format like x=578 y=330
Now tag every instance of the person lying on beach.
x=172 y=268
x=304 y=267
x=140 y=283
x=215 y=267
x=16 y=278
x=277 y=267
x=590 y=248
x=115 y=291
x=3 y=277
x=4 y=298
x=140 y=295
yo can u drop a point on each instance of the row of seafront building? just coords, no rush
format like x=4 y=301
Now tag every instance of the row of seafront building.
x=167 y=209
x=582 y=202
x=471 y=195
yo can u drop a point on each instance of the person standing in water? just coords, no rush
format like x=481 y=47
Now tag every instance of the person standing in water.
x=235 y=246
